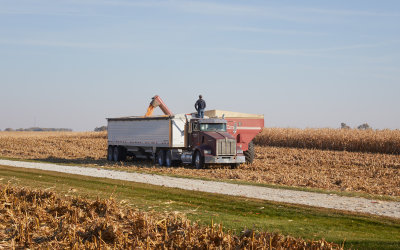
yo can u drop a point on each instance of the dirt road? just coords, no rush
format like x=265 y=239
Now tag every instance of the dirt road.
x=353 y=204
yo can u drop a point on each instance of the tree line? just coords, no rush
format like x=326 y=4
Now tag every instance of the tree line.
x=343 y=125
x=102 y=128
x=363 y=126
x=40 y=129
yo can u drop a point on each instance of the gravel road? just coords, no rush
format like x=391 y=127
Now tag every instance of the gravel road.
x=353 y=204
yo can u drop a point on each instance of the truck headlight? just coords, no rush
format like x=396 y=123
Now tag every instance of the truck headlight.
x=207 y=151
x=239 y=151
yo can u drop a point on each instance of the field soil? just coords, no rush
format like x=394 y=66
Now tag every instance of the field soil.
x=371 y=173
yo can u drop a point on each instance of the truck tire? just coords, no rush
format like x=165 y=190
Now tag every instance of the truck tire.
x=198 y=161
x=123 y=152
x=249 y=154
x=116 y=154
x=161 y=157
x=168 y=158
x=110 y=152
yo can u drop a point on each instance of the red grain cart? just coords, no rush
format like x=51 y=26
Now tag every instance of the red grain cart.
x=244 y=127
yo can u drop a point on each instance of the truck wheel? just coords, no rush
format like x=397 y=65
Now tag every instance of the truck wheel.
x=168 y=158
x=116 y=154
x=161 y=158
x=249 y=154
x=123 y=153
x=110 y=153
x=198 y=160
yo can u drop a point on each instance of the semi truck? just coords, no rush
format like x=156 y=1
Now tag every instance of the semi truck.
x=184 y=138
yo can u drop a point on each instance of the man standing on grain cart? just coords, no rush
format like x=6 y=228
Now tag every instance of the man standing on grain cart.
x=200 y=105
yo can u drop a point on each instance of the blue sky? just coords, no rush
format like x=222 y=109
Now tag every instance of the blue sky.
x=300 y=63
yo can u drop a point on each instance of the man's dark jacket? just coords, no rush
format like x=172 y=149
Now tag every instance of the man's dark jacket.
x=200 y=104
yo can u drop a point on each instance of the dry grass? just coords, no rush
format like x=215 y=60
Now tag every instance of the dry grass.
x=39 y=219
x=373 y=141
x=324 y=169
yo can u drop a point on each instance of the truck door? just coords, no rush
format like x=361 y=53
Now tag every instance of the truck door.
x=195 y=134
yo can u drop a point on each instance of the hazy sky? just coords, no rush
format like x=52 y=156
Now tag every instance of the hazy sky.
x=300 y=63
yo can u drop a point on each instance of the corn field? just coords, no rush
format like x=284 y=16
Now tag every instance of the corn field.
x=38 y=219
x=324 y=169
x=78 y=146
x=373 y=141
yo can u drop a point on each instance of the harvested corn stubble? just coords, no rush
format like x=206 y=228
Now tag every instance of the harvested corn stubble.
x=40 y=219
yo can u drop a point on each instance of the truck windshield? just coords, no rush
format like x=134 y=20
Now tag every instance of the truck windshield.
x=221 y=127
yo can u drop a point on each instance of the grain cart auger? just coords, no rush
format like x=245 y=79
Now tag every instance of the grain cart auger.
x=157 y=102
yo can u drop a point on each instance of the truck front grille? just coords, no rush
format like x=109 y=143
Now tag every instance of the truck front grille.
x=226 y=147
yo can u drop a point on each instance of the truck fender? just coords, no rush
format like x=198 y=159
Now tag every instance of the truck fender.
x=201 y=149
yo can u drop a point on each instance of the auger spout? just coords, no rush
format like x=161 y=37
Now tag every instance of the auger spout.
x=157 y=102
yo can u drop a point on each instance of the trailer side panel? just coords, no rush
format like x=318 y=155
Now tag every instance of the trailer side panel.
x=144 y=133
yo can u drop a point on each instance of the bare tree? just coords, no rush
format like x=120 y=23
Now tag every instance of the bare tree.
x=102 y=128
x=364 y=126
x=344 y=126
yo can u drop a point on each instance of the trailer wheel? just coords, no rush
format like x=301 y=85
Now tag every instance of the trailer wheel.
x=110 y=153
x=161 y=157
x=116 y=154
x=249 y=154
x=198 y=160
x=168 y=158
